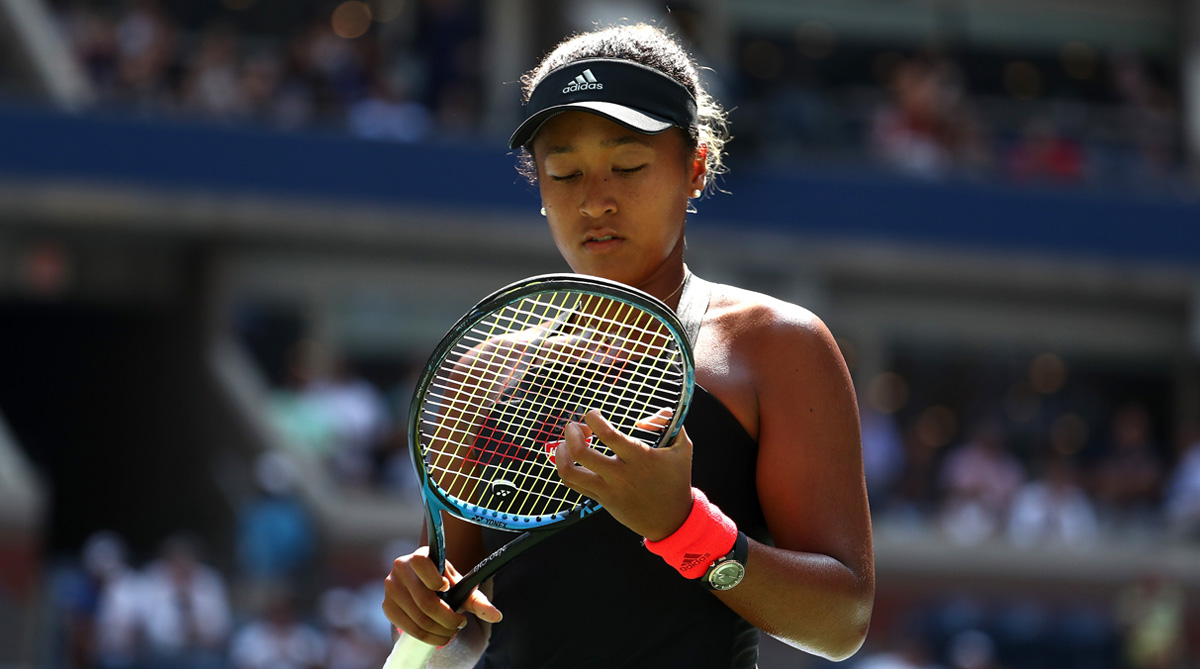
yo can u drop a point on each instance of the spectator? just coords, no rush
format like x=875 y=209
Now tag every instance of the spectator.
x=185 y=608
x=928 y=129
x=914 y=497
x=1053 y=510
x=94 y=604
x=979 y=479
x=1043 y=154
x=1182 y=503
x=1129 y=476
x=259 y=84
x=883 y=454
x=145 y=51
x=276 y=538
x=278 y=639
x=359 y=417
x=210 y=88
x=92 y=34
x=120 y=616
x=388 y=114
x=351 y=645
x=1151 y=117
x=302 y=423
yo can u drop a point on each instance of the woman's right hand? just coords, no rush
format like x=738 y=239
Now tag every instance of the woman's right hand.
x=413 y=606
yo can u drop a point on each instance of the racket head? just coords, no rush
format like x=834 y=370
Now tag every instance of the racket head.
x=489 y=407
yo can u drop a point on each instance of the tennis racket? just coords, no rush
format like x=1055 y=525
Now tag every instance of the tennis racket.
x=491 y=405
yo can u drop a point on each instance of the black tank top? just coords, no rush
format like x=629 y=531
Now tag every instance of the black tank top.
x=593 y=596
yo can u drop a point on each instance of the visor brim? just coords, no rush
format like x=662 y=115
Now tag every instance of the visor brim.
x=629 y=117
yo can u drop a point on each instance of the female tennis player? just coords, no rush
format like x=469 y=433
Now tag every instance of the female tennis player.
x=755 y=518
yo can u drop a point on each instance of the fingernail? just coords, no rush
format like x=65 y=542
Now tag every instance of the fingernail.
x=462 y=624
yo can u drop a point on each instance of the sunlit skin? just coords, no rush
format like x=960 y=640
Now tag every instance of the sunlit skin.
x=616 y=203
x=616 y=200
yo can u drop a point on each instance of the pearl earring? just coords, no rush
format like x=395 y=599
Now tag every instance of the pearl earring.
x=543 y=211
x=696 y=193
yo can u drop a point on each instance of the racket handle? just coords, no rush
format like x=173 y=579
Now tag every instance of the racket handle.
x=409 y=653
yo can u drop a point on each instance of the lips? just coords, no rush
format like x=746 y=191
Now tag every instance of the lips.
x=601 y=241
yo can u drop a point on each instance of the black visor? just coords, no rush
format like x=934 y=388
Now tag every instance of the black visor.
x=638 y=97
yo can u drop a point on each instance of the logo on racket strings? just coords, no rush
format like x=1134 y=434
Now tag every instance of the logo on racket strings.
x=552 y=446
x=503 y=489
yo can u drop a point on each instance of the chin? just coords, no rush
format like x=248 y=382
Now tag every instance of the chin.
x=612 y=273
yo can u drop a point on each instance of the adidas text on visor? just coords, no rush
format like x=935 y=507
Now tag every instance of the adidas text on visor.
x=638 y=97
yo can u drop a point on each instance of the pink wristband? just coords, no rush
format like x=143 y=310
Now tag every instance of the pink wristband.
x=706 y=535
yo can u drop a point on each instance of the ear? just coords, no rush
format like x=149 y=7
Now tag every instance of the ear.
x=699 y=168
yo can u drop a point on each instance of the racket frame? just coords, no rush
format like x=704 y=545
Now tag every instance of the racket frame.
x=437 y=502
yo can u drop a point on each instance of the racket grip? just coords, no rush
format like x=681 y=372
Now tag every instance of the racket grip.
x=409 y=653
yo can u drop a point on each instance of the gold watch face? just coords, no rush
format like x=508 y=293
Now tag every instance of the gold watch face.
x=726 y=575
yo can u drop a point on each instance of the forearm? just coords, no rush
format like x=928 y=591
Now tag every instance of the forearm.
x=813 y=602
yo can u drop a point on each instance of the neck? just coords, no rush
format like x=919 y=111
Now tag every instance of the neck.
x=666 y=282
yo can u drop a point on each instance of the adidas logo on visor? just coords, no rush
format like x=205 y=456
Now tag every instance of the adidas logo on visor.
x=583 y=82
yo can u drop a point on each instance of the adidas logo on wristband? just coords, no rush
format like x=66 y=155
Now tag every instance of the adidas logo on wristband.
x=693 y=560
x=583 y=82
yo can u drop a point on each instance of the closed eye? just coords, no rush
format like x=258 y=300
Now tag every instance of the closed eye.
x=629 y=170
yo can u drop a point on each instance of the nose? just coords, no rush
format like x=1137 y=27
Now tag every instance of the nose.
x=598 y=199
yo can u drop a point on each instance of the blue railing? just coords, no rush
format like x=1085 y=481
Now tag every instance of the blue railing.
x=480 y=176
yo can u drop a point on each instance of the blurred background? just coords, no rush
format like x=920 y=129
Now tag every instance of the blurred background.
x=231 y=231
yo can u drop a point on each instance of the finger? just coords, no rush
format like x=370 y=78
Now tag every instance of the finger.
x=479 y=605
x=624 y=446
x=656 y=422
x=427 y=571
x=576 y=450
x=406 y=624
x=441 y=618
x=408 y=605
x=682 y=443
x=422 y=580
x=577 y=477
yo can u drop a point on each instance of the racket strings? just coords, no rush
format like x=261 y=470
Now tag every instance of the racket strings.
x=484 y=383
x=499 y=363
x=650 y=376
x=492 y=418
x=592 y=378
x=653 y=350
x=531 y=472
x=612 y=326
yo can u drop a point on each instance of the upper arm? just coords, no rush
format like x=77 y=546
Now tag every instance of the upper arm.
x=810 y=472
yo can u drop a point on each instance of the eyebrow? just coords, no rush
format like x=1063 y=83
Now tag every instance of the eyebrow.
x=607 y=144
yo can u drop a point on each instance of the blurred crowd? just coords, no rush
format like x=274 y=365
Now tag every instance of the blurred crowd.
x=1143 y=627
x=1082 y=118
x=409 y=79
x=1130 y=487
x=277 y=608
x=980 y=493
x=928 y=116
x=328 y=413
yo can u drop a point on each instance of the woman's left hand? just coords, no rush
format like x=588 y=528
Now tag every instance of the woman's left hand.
x=648 y=490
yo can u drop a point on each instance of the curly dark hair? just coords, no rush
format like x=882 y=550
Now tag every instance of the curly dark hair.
x=650 y=46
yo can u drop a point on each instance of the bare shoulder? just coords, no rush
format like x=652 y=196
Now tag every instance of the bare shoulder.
x=756 y=319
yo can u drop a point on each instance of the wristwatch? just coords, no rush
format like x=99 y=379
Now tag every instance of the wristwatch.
x=726 y=572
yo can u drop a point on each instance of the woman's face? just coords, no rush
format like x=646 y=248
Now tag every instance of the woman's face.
x=616 y=199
